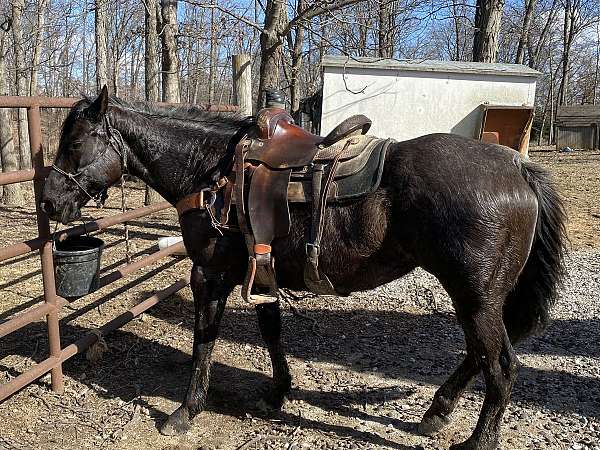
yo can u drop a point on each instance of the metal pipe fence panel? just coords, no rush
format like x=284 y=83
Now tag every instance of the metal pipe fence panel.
x=43 y=242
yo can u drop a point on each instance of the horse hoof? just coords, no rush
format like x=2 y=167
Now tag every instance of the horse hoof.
x=271 y=399
x=270 y=403
x=432 y=424
x=177 y=423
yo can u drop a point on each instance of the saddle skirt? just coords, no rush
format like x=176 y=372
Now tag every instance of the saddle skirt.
x=358 y=172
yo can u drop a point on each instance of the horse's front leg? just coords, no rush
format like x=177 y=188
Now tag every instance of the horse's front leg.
x=210 y=294
x=269 y=322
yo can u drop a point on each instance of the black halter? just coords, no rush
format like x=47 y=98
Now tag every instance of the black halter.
x=116 y=142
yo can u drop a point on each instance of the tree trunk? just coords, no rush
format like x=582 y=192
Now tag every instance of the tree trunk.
x=135 y=68
x=84 y=55
x=597 y=71
x=270 y=46
x=457 y=33
x=297 y=61
x=37 y=47
x=9 y=158
x=488 y=18
x=544 y=115
x=363 y=32
x=150 y=53
x=21 y=82
x=524 y=38
x=568 y=33
x=213 y=55
x=551 y=130
x=541 y=135
x=385 y=32
x=101 y=35
x=534 y=58
x=170 y=60
x=115 y=78
x=151 y=74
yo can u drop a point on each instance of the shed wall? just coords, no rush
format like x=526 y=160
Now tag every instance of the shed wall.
x=408 y=104
x=576 y=137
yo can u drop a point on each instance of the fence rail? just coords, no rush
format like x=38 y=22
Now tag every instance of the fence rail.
x=53 y=302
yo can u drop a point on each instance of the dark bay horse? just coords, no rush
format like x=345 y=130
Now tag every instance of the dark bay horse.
x=487 y=224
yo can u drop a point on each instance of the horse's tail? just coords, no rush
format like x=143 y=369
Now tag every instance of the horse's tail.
x=528 y=305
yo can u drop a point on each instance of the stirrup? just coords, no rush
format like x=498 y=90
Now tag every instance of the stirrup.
x=264 y=276
x=320 y=287
x=315 y=281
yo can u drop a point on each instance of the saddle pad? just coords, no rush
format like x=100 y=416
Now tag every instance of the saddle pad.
x=352 y=186
x=355 y=146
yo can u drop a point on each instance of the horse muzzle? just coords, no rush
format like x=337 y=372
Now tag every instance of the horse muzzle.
x=65 y=213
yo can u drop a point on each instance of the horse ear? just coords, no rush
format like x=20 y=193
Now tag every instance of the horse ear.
x=99 y=106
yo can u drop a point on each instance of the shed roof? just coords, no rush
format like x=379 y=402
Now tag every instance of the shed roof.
x=430 y=65
x=580 y=114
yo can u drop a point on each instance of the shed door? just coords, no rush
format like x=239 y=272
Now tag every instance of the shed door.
x=508 y=126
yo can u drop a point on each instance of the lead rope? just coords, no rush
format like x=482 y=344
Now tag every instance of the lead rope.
x=125 y=224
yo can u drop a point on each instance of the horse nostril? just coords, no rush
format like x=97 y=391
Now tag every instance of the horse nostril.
x=47 y=207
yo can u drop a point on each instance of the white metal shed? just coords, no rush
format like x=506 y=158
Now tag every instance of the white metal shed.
x=410 y=98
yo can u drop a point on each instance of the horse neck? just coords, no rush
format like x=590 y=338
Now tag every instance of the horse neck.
x=173 y=157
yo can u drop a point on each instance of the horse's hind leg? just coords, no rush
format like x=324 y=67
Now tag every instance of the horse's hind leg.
x=488 y=343
x=210 y=294
x=269 y=322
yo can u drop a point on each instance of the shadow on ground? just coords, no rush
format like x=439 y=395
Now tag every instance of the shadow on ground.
x=419 y=348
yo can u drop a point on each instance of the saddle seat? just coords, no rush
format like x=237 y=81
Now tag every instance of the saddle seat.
x=281 y=144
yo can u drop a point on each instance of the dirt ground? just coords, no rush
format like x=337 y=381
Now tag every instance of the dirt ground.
x=363 y=376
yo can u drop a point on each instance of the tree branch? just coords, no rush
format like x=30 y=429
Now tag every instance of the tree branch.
x=317 y=10
x=241 y=18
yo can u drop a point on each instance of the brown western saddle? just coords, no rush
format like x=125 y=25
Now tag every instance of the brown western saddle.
x=276 y=163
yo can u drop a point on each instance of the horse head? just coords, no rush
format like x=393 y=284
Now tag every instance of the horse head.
x=90 y=158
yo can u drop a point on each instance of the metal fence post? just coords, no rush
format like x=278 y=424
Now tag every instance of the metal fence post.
x=50 y=297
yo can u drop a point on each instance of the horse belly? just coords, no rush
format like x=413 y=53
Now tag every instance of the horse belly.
x=358 y=252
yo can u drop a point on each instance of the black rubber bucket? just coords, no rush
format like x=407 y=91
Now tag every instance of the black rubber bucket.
x=77 y=265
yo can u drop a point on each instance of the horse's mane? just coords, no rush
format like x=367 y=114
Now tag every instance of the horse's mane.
x=187 y=113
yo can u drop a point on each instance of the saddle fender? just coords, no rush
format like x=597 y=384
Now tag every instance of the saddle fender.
x=267 y=204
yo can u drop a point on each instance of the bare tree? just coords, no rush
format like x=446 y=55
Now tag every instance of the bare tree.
x=101 y=21
x=150 y=52
x=535 y=52
x=270 y=46
x=296 y=44
x=213 y=55
x=9 y=158
x=37 y=46
x=524 y=36
x=170 y=59
x=21 y=81
x=488 y=18
x=597 y=69
x=578 y=16
x=151 y=72
x=386 y=29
